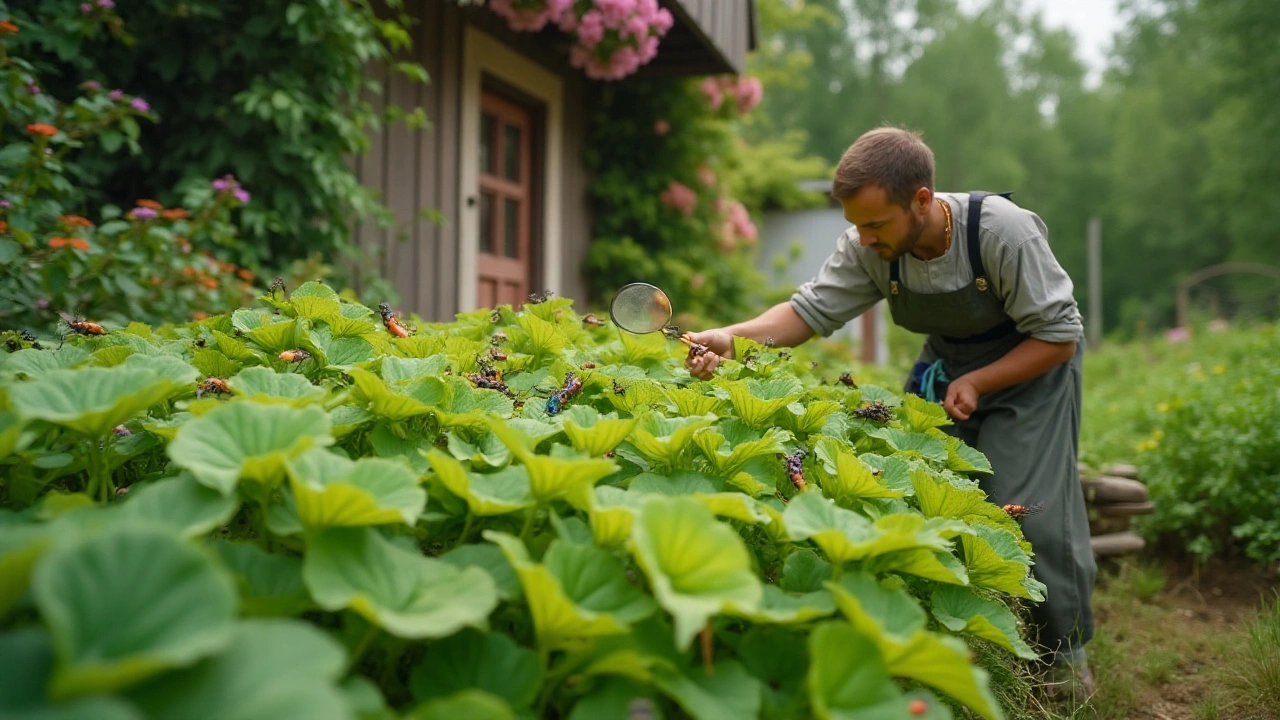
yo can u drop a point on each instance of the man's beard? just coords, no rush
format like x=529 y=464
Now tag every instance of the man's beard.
x=912 y=237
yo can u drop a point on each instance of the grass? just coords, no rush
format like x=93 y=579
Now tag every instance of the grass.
x=1252 y=671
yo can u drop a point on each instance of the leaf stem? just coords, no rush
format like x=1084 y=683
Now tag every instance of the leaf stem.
x=362 y=647
x=466 y=528
x=528 y=522
x=99 y=476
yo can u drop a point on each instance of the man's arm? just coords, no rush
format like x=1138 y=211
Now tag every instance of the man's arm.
x=780 y=322
x=1030 y=359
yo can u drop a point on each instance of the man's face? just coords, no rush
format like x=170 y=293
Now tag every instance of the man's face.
x=887 y=228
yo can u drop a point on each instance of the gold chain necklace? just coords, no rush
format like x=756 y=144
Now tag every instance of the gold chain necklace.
x=946 y=210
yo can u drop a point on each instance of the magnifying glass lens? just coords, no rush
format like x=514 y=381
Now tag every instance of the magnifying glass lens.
x=640 y=308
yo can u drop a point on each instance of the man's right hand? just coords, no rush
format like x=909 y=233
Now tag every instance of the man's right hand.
x=719 y=344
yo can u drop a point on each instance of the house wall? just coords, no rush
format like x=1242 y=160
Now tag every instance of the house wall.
x=727 y=24
x=816 y=231
x=422 y=171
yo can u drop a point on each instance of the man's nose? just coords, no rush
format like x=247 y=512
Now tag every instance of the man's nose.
x=867 y=240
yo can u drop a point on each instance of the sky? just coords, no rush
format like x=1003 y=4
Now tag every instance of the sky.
x=1093 y=22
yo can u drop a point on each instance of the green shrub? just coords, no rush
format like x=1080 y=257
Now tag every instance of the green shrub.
x=1213 y=462
x=287 y=512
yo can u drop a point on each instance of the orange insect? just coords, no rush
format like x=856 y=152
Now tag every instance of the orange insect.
x=297 y=355
x=392 y=321
x=591 y=320
x=215 y=385
x=1017 y=512
x=82 y=327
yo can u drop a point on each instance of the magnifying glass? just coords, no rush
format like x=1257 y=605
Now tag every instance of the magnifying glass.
x=641 y=308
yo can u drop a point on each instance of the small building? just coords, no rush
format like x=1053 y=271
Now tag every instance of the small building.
x=502 y=160
x=813 y=233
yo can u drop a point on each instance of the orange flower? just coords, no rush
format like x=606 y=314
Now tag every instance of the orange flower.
x=4 y=227
x=245 y=275
x=209 y=283
x=198 y=315
x=175 y=214
x=150 y=204
x=59 y=242
x=76 y=220
x=80 y=244
x=42 y=129
x=7 y=28
x=188 y=271
x=155 y=280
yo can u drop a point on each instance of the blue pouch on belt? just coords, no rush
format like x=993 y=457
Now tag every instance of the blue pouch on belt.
x=929 y=381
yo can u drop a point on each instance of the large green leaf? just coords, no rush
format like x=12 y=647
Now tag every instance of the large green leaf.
x=562 y=473
x=469 y=407
x=689 y=401
x=400 y=371
x=697 y=566
x=965 y=459
x=278 y=669
x=497 y=493
x=406 y=594
x=848 y=679
x=728 y=446
x=91 y=400
x=179 y=503
x=729 y=692
x=844 y=477
x=949 y=496
x=938 y=565
x=315 y=301
x=21 y=545
x=127 y=605
x=26 y=661
x=269 y=584
x=844 y=535
x=612 y=512
x=404 y=402
x=262 y=381
x=593 y=433
x=489 y=558
x=960 y=610
x=920 y=415
x=487 y=452
x=756 y=402
x=887 y=615
x=781 y=607
x=996 y=560
x=576 y=593
x=663 y=440
x=911 y=443
x=492 y=663
x=37 y=363
x=616 y=697
x=331 y=491
x=805 y=418
x=469 y=704
x=943 y=663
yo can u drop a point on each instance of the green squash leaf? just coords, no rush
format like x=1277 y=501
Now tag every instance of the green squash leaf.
x=247 y=440
x=127 y=605
x=262 y=381
x=576 y=593
x=406 y=401
x=961 y=611
x=943 y=663
x=269 y=585
x=489 y=558
x=93 y=400
x=730 y=445
x=996 y=560
x=697 y=566
x=690 y=402
x=26 y=661
x=469 y=704
x=755 y=401
x=245 y=682
x=486 y=494
x=920 y=415
x=473 y=660
x=887 y=615
x=844 y=478
x=35 y=364
x=663 y=441
x=177 y=503
x=332 y=491
x=844 y=535
x=848 y=678
x=728 y=693
x=593 y=433
x=406 y=594
x=911 y=443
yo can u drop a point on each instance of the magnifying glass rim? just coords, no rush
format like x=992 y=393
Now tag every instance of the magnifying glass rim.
x=618 y=293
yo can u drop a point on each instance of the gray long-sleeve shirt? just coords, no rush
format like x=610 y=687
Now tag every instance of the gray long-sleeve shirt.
x=1036 y=291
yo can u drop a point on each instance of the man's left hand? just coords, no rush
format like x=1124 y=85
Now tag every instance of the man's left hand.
x=962 y=399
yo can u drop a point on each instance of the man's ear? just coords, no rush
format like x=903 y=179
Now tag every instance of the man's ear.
x=921 y=200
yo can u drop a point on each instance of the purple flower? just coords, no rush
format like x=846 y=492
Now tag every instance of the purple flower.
x=5 y=204
x=139 y=104
x=91 y=85
x=142 y=213
x=242 y=195
x=222 y=184
x=85 y=8
x=106 y=4
x=116 y=94
x=33 y=88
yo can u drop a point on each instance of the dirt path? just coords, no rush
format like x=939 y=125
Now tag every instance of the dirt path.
x=1166 y=635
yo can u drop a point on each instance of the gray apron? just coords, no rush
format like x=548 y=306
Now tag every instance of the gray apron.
x=1030 y=432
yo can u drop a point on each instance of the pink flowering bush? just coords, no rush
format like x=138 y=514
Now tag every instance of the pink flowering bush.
x=740 y=94
x=612 y=38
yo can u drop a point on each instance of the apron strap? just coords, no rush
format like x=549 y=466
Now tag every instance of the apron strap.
x=971 y=237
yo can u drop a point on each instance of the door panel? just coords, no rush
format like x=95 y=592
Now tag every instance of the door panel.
x=504 y=252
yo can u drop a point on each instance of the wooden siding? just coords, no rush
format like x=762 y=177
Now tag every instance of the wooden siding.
x=724 y=31
x=419 y=171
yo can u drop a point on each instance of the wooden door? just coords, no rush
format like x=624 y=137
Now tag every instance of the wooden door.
x=504 y=257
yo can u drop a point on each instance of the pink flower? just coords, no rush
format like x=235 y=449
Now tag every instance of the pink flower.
x=749 y=91
x=242 y=195
x=139 y=104
x=711 y=88
x=85 y=8
x=91 y=85
x=106 y=4
x=662 y=127
x=1177 y=335
x=116 y=94
x=224 y=183
x=680 y=196
x=142 y=213
x=706 y=176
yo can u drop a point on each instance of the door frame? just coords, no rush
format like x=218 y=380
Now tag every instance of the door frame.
x=484 y=55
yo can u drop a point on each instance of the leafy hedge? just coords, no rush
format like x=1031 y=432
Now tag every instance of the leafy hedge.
x=1213 y=460
x=289 y=512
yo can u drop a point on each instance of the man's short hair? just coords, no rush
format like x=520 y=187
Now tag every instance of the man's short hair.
x=895 y=159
